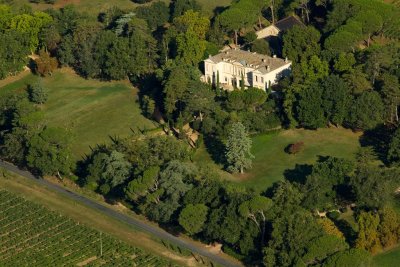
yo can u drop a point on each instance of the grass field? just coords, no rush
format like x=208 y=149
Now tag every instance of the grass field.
x=47 y=238
x=92 y=110
x=387 y=259
x=271 y=161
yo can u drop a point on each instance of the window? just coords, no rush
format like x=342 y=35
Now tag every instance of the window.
x=262 y=79
x=256 y=78
x=226 y=79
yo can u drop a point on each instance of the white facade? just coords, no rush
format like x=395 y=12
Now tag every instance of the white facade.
x=271 y=30
x=257 y=70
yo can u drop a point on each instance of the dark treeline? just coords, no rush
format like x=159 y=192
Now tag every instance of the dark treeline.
x=345 y=73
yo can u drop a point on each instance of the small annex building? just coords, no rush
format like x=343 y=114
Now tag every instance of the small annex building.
x=230 y=67
x=275 y=30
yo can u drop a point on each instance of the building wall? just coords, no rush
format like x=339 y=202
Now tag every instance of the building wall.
x=263 y=81
x=266 y=32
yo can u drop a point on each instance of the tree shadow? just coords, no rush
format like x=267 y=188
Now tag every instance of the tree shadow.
x=216 y=149
x=378 y=138
x=298 y=174
x=347 y=230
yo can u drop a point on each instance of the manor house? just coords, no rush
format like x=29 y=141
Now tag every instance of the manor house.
x=230 y=67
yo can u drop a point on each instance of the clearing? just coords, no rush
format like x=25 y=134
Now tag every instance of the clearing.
x=94 y=111
x=271 y=161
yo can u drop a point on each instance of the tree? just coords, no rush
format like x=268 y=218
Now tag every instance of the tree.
x=368 y=236
x=336 y=98
x=190 y=48
x=322 y=247
x=49 y=38
x=49 y=152
x=199 y=100
x=371 y=23
x=31 y=25
x=143 y=185
x=238 y=15
x=391 y=96
x=322 y=185
x=290 y=237
x=301 y=43
x=389 y=227
x=45 y=64
x=193 y=217
x=374 y=187
x=344 y=62
x=330 y=228
x=311 y=70
x=179 y=7
x=344 y=39
x=190 y=40
x=367 y=111
x=238 y=148
x=254 y=209
x=116 y=169
x=174 y=181
x=261 y=46
x=14 y=49
x=310 y=111
x=37 y=93
x=156 y=15
x=393 y=154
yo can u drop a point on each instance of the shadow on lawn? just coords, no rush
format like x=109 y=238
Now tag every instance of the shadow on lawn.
x=298 y=174
x=216 y=149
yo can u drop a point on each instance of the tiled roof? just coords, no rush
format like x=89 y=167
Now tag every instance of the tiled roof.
x=262 y=63
x=288 y=23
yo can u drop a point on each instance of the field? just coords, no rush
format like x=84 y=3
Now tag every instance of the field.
x=387 y=259
x=271 y=161
x=29 y=230
x=92 y=110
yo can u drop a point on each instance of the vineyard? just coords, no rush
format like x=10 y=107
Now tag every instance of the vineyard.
x=31 y=235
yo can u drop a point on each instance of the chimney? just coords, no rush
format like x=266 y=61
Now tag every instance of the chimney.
x=274 y=56
x=268 y=68
x=286 y=59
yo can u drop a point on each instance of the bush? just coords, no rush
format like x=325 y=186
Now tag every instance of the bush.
x=295 y=148
x=37 y=94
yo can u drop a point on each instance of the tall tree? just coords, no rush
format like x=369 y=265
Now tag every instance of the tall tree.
x=255 y=209
x=49 y=152
x=193 y=217
x=367 y=111
x=368 y=236
x=238 y=148
x=391 y=96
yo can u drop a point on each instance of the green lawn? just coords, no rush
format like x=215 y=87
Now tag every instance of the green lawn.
x=389 y=258
x=93 y=110
x=271 y=161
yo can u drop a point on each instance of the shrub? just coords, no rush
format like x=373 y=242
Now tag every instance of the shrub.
x=37 y=94
x=295 y=148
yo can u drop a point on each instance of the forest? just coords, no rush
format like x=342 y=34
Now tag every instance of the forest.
x=345 y=74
